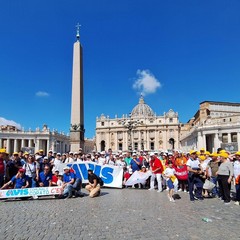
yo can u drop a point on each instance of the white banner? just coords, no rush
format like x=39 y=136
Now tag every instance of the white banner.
x=112 y=176
x=138 y=177
x=28 y=192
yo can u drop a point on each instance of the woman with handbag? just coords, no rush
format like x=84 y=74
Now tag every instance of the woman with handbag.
x=32 y=171
x=225 y=175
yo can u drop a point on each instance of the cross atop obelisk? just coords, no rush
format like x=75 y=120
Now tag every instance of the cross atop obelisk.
x=78 y=31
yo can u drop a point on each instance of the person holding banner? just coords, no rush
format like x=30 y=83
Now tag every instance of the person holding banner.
x=45 y=177
x=2 y=166
x=20 y=180
x=71 y=183
x=156 y=169
x=93 y=187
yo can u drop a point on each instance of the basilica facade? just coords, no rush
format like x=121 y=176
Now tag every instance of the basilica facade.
x=141 y=129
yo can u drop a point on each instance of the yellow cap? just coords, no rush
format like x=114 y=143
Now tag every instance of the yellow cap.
x=202 y=149
x=26 y=153
x=202 y=158
x=15 y=153
x=223 y=151
x=214 y=154
x=192 y=151
x=223 y=154
x=237 y=153
x=2 y=150
x=207 y=153
x=40 y=150
x=198 y=153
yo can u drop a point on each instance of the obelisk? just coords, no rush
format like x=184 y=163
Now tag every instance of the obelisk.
x=77 y=111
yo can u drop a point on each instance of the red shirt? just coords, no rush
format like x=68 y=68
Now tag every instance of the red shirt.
x=127 y=175
x=54 y=179
x=156 y=163
x=1 y=166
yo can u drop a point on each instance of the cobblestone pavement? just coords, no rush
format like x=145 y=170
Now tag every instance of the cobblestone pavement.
x=119 y=214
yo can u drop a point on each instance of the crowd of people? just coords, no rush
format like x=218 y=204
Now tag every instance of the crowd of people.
x=201 y=174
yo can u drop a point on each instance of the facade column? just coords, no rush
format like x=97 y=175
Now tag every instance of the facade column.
x=116 y=141
x=147 y=139
x=199 y=140
x=238 y=139
x=156 y=146
x=216 y=142
x=8 y=146
x=22 y=143
x=204 y=141
x=47 y=146
x=125 y=146
x=1 y=143
x=229 y=138
x=15 y=146
x=37 y=145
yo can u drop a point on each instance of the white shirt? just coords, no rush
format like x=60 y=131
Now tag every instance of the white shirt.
x=101 y=161
x=168 y=172
x=31 y=169
x=236 y=168
x=193 y=163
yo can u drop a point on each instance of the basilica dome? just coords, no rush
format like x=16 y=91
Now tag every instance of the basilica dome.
x=142 y=110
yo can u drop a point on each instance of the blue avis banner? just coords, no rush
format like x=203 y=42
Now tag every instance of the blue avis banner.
x=112 y=176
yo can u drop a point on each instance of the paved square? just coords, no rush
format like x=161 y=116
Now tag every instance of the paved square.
x=119 y=214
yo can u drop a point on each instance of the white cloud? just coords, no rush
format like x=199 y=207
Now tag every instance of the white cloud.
x=42 y=94
x=146 y=83
x=4 y=122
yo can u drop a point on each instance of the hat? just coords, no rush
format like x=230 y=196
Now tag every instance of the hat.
x=223 y=154
x=40 y=150
x=2 y=150
x=102 y=153
x=21 y=170
x=70 y=152
x=75 y=153
x=46 y=158
x=56 y=170
x=202 y=158
x=192 y=151
x=50 y=151
x=38 y=157
x=151 y=154
x=15 y=153
x=202 y=149
x=26 y=153
x=58 y=154
x=207 y=153
x=237 y=153
x=214 y=154
x=143 y=166
x=134 y=154
x=66 y=168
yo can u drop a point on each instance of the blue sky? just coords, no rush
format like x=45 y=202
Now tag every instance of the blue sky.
x=178 y=52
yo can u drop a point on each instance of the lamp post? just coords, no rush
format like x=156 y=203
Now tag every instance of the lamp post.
x=130 y=124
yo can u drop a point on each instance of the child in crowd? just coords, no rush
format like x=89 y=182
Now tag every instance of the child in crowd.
x=60 y=180
x=172 y=182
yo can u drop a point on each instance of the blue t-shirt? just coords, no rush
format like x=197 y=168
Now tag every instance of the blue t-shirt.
x=67 y=177
x=45 y=178
x=19 y=182
x=134 y=165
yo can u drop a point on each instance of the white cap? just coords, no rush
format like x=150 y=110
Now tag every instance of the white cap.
x=151 y=154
